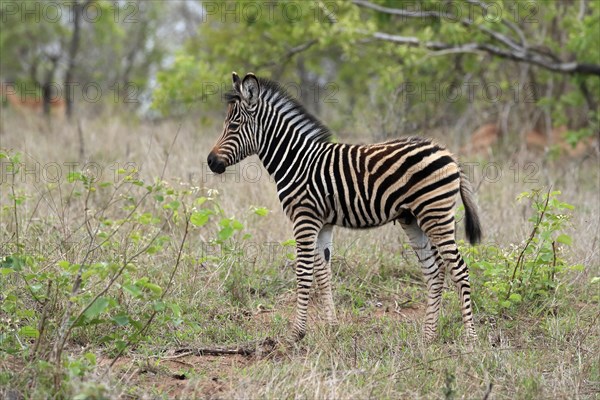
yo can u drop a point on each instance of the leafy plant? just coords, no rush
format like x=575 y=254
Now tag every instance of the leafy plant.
x=530 y=271
x=98 y=282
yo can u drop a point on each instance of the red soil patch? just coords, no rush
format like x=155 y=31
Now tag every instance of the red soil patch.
x=179 y=378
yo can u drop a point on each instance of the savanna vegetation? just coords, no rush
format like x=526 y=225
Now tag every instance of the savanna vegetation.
x=128 y=270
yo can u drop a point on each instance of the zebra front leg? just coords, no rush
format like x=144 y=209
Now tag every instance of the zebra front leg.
x=305 y=233
x=323 y=272
x=433 y=272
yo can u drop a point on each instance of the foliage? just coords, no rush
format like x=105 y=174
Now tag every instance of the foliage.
x=531 y=272
x=117 y=55
x=327 y=50
x=89 y=284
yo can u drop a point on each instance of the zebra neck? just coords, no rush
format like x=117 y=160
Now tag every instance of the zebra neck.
x=286 y=155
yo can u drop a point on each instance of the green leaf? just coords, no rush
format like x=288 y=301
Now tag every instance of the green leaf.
x=225 y=233
x=133 y=290
x=64 y=264
x=175 y=309
x=29 y=331
x=153 y=249
x=158 y=305
x=74 y=176
x=121 y=319
x=546 y=257
x=96 y=308
x=35 y=287
x=173 y=205
x=262 y=211
x=146 y=218
x=225 y=222
x=237 y=225
x=90 y=357
x=515 y=298
x=565 y=239
x=289 y=242
x=200 y=218
x=13 y=262
x=154 y=288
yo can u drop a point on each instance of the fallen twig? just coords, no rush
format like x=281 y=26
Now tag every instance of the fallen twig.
x=261 y=347
x=488 y=391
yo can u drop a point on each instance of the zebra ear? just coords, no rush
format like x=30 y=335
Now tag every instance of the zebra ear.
x=236 y=82
x=250 y=88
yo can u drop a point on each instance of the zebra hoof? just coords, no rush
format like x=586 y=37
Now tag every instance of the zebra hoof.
x=429 y=339
x=331 y=328
x=295 y=337
x=430 y=335
x=472 y=338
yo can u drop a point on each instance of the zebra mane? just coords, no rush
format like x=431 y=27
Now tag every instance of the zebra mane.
x=279 y=98
x=273 y=93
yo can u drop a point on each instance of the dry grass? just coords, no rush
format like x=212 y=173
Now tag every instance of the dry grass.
x=377 y=352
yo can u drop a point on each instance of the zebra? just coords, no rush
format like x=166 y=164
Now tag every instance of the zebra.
x=321 y=184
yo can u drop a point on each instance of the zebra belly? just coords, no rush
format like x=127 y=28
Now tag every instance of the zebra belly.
x=357 y=217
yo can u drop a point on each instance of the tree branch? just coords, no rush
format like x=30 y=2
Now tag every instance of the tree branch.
x=513 y=51
x=289 y=54
x=521 y=56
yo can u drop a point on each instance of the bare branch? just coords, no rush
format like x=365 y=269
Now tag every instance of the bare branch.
x=289 y=54
x=260 y=347
x=511 y=25
x=513 y=51
x=401 y=12
x=435 y=14
x=540 y=60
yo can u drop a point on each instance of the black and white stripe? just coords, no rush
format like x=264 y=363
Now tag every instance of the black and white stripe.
x=413 y=181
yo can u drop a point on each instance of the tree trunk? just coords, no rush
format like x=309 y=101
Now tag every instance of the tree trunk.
x=47 y=92
x=73 y=49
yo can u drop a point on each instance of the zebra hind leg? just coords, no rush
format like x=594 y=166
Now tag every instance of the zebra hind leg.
x=433 y=271
x=323 y=272
x=447 y=247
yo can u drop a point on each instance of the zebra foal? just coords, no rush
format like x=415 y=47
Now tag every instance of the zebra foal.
x=321 y=184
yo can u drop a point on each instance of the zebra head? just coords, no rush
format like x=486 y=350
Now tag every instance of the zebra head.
x=239 y=137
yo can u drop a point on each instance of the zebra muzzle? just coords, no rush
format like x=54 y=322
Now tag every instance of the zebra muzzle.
x=215 y=163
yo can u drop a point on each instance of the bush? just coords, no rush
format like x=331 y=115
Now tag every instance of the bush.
x=103 y=275
x=526 y=273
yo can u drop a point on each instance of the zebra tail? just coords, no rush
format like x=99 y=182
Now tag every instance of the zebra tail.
x=472 y=224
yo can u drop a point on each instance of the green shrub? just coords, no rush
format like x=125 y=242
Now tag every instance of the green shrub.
x=529 y=272
x=105 y=277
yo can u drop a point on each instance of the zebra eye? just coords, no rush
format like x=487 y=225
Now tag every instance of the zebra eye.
x=233 y=126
